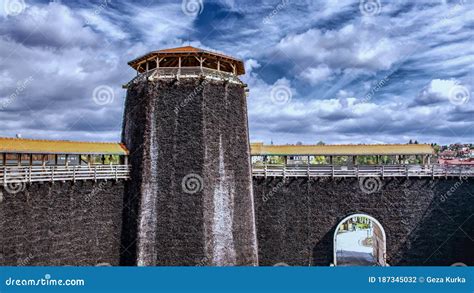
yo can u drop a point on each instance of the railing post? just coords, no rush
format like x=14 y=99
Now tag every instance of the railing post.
x=432 y=171
x=95 y=173
x=29 y=174
x=4 y=176
x=383 y=171
x=116 y=173
x=357 y=171
x=52 y=173
x=265 y=169
x=309 y=176
x=332 y=171
x=406 y=170
x=73 y=173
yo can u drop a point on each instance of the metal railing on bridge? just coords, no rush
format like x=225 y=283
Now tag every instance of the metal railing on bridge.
x=23 y=174
x=276 y=170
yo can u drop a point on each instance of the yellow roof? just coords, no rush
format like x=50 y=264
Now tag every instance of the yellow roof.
x=258 y=149
x=33 y=146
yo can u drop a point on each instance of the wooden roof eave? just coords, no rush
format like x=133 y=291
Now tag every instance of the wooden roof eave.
x=62 y=153
x=317 y=155
x=140 y=60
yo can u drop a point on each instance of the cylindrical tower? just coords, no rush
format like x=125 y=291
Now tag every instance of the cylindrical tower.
x=190 y=199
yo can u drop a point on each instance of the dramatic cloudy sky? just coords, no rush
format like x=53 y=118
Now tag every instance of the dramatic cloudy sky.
x=338 y=71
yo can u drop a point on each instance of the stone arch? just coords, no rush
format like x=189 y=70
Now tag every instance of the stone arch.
x=380 y=239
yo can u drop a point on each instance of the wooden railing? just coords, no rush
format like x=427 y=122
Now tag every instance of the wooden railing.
x=363 y=171
x=174 y=72
x=21 y=174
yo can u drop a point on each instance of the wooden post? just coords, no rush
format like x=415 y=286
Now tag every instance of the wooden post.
x=55 y=159
x=4 y=161
x=179 y=65
x=218 y=65
x=66 y=160
x=147 y=66
x=330 y=160
x=307 y=164
x=73 y=173
x=29 y=173
x=19 y=159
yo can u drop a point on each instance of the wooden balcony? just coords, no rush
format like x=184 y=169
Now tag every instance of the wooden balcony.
x=314 y=171
x=185 y=72
x=30 y=174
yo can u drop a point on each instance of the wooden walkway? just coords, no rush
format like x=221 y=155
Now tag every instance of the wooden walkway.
x=29 y=174
x=311 y=171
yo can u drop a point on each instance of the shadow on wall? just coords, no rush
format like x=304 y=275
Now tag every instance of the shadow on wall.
x=446 y=229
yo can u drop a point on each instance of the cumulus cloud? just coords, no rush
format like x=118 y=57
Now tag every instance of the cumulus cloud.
x=437 y=91
x=309 y=80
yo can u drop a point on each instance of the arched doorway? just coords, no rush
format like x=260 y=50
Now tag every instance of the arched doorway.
x=359 y=240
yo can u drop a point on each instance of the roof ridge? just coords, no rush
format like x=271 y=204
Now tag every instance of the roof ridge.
x=57 y=140
x=360 y=144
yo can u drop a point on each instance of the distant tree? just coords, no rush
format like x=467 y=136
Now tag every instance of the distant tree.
x=320 y=143
x=410 y=142
x=416 y=142
x=299 y=143
x=319 y=160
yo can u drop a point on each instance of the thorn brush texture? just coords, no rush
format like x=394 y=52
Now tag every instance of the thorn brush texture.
x=177 y=128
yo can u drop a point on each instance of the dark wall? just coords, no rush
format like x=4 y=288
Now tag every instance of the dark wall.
x=426 y=222
x=61 y=224
x=190 y=198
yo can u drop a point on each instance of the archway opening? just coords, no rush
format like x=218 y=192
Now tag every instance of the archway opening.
x=359 y=240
